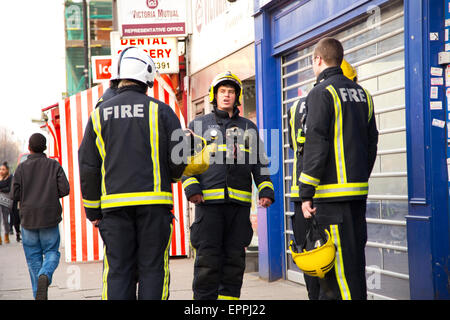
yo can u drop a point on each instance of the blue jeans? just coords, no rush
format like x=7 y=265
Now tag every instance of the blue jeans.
x=41 y=247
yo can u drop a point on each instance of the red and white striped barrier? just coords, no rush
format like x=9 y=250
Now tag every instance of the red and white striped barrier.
x=82 y=240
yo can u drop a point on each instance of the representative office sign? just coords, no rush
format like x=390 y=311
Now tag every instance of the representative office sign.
x=148 y=18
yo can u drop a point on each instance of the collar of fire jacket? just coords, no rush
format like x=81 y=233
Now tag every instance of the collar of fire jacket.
x=220 y=114
x=328 y=72
x=137 y=87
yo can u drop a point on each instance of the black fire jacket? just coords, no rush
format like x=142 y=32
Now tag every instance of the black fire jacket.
x=240 y=156
x=341 y=140
x=125 y=156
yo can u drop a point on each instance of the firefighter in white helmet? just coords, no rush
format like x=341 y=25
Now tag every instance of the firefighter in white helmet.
x=126 y=173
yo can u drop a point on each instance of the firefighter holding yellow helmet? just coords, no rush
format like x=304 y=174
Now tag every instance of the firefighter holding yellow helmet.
x=315 y=262
x=223 y=193
x=339 y=153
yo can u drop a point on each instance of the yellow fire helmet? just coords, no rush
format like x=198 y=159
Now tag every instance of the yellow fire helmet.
x=226 y=77
x=199 y=161
x=316 y=262
x=348 y=70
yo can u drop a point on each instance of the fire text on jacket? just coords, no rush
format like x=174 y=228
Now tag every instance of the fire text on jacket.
x=124 y=111
x=353 y=95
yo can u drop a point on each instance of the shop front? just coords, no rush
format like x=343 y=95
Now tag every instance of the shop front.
x=380 y=41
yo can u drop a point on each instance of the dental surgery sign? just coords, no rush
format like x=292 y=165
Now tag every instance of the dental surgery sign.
x=150 y=18
x=162 y=50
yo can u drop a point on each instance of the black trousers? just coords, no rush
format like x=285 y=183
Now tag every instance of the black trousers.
x=136 y=251
x=346 y=222
x=219 y=236
x=300 y=226
x=15 y=218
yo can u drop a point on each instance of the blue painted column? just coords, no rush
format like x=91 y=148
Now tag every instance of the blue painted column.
x=428 y=219
x=270 y=221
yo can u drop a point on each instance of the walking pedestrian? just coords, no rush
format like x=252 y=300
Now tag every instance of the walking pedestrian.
x=5 y=187
x=126 y=172
x=339 y=153
x=38 y=184
x=223 y=193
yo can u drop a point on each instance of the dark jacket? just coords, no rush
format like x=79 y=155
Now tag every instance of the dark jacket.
x=296 y=132
x=341 y=140
x=5 y=185
x=229 y=176
x=125 y=155
x=38 y=184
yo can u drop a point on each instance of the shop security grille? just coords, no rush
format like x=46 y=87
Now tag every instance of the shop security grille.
x=377 y=52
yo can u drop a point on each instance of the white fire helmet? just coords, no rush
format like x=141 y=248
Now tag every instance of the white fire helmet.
x=135 y=64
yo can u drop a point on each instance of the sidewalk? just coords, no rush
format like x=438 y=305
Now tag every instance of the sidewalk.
x=83 y=281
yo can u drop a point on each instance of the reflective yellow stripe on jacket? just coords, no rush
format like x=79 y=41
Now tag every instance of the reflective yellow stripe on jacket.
x=369 y=103
x=294 y=186
x=265 y=184
x=307 y=179
x=342 y=190
x=338 y=137
x=219 y=194
x=154 y=144
x=240 y=195
x=136 y=199
x=93 y=204
x=213 y=194
x=95 y=116
x=190 y=181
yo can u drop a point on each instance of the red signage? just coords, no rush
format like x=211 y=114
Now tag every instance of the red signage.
x=101 y=68
x=152 y=4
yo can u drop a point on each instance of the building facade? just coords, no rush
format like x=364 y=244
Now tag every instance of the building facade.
x=394 y=46
x=99 y=18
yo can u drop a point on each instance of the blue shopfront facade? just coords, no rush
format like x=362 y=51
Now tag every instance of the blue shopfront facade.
x=400 y=52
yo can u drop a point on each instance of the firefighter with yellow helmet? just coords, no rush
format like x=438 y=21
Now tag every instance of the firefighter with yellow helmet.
x=223 y=193
x=315 y=262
